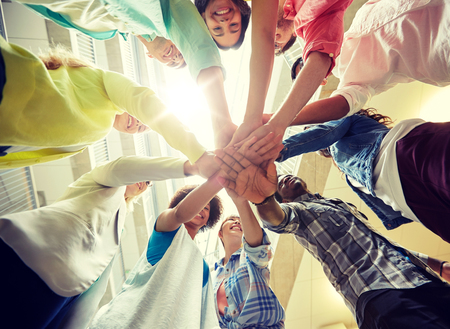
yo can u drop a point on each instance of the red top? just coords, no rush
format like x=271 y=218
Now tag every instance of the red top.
x=320 y=23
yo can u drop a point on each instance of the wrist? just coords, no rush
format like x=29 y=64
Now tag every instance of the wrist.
x=190 y=169
x=265 y=201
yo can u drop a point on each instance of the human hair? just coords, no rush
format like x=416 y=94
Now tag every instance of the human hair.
x=131 y=201
x=287 y=46
x=215 y=210
x=298 y=63
x=58 y=56
x=373 y=114
x=245 y=11
x=182 y=66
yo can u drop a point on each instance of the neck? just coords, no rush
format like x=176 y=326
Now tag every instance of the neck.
x=230 y=249
x=192 y=231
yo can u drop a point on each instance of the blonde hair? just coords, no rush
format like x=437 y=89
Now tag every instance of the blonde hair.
x=58 y=56
x=131 y=201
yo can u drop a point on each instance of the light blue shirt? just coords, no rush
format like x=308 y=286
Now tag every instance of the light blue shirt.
x=177 y=20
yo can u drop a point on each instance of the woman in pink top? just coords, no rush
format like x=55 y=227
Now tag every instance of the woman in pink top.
x=320 y=23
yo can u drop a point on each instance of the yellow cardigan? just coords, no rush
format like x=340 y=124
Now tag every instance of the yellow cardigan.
x=74 y=106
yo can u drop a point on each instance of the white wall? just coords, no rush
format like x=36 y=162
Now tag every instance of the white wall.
x=24 y=27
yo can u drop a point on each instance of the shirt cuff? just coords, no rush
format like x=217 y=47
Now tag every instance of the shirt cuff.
x=260 y=255
x=357 y=96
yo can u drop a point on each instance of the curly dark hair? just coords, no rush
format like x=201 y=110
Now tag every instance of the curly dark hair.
x=245 y=10
x=216 y=207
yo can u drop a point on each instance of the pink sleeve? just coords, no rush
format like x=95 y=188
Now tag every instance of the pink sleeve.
x=324 y=34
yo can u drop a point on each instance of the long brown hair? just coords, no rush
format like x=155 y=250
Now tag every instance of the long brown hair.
x=380 y=118
x=58 y=56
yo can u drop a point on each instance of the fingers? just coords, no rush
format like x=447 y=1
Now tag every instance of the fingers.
x=226 y=183
x=239 y=161
x=229 y=165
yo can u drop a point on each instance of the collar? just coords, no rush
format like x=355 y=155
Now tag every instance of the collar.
x=219 y=263
x=308 y=196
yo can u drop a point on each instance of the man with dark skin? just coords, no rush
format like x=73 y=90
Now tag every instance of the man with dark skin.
x=382 y=283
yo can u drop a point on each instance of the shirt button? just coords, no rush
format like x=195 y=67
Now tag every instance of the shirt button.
x=234 y=312
x=331 y=54
x=228 y=269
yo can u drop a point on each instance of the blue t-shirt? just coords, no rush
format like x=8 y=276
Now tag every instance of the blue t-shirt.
x=158 y=244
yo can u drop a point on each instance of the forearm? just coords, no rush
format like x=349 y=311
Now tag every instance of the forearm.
x=210 y=80
x=307 y=82
x=271 y=212
x=264 y=20
x=190 y=169
x=250 y=226
x=323 y=110
x=194 y=202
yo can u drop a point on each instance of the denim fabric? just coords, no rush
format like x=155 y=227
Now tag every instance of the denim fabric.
x=391 y=219
x=354 y=142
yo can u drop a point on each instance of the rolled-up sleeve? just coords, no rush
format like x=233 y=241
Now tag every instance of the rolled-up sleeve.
x=357 y=96
x=260 y=255
x=321 y=25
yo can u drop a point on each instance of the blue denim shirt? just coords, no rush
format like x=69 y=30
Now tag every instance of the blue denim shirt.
x=353 y=142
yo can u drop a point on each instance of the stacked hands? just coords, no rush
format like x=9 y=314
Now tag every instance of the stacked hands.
x=247 y=170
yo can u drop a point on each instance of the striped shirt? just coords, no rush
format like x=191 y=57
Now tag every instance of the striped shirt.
x=354 y=256
x=251 y=302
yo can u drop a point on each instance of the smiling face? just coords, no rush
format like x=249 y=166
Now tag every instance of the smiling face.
x=223 y=19
x=231 y=226
x=164 y=51
x=136 y=189
x=128 y=124
x=290 y=187
x=200 y=219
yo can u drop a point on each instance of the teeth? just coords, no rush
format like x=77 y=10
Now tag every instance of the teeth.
x=129 y=121
x=170 y=51
x=222 y=12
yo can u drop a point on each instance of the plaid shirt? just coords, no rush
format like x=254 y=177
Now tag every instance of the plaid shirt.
x=251 y=302
x=354 y=256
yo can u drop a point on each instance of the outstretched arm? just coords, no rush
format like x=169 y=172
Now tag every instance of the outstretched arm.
x=309 y=79
x=264 y=21
x=252 y=230
x=321 y=111
x=210 y=80
x=170 y=219
x=128 y=170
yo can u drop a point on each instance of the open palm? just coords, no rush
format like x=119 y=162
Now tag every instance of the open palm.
x=245 y=178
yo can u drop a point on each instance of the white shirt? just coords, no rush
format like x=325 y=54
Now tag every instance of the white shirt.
x=71 y=242
x=387 y=184
x=390 y=42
